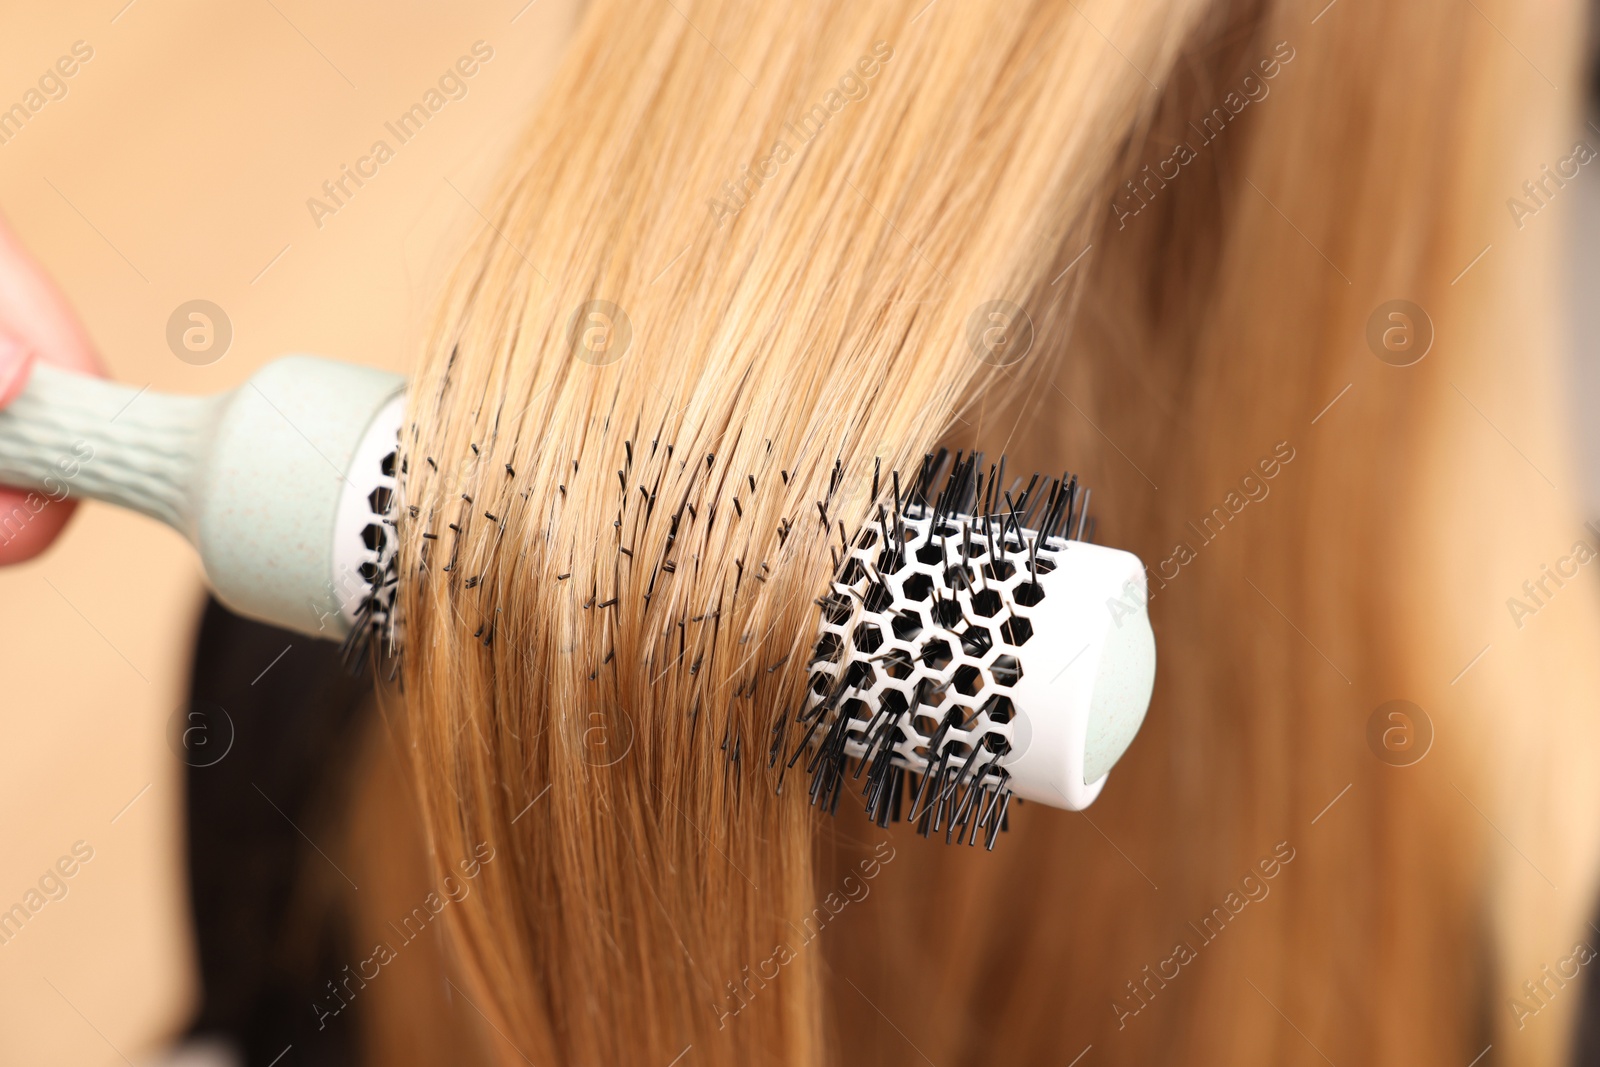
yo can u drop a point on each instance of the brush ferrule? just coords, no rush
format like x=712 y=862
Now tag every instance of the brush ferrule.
x=282 y=457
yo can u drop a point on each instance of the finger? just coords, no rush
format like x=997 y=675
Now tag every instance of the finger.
x=35 y=315
x=29 y=521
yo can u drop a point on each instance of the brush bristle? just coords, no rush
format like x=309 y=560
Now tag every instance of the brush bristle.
x=372 y=631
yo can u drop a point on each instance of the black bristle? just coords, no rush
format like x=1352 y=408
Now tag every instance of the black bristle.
x=974 y=516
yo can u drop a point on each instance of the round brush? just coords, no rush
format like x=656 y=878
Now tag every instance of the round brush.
x=972 y=647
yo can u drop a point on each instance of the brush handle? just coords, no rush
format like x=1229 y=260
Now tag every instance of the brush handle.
x=72 y=435
x=270 y=482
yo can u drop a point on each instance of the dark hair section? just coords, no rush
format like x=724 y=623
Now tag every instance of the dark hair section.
x=275 y=726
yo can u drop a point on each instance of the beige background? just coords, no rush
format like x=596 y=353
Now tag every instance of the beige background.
x=178 y=167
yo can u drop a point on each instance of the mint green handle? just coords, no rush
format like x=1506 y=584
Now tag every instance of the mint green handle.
x=72 y=435
x=253 y=478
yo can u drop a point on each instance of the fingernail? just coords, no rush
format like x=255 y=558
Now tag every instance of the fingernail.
x=15 y=358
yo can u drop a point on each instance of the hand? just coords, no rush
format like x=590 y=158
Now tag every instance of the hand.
x=36 y=323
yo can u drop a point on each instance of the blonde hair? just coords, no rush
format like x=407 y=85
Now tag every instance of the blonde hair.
x=666 y=372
